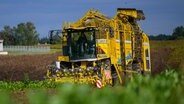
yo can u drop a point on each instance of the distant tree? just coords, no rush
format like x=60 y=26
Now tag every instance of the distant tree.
x=23 y=34
x=160 y=37
x=26 y=34
x=7 y=34
x=44 y=40
x=151 y=37
x=163 y=37
x=178 y=33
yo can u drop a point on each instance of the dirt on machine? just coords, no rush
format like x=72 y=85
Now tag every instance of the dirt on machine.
x=102 y=51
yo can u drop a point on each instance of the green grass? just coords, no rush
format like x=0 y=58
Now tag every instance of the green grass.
x=55 y=46
x=166 y=88
x=27 y=84
x=167 y=44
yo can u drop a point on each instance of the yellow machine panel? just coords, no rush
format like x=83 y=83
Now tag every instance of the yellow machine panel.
x=100 y=50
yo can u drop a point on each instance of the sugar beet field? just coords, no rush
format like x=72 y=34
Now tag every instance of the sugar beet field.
x=22 y=81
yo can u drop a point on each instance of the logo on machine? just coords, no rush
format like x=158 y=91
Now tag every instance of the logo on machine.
x=101 y=41
x=101 y=55
x=100 y=52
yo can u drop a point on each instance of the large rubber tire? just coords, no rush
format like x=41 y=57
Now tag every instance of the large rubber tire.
x=115 y=80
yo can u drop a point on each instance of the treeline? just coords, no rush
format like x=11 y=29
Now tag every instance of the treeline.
x=178 y=33
x=24 y=34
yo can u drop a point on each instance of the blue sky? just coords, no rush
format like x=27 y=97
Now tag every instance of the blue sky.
x=162 y=16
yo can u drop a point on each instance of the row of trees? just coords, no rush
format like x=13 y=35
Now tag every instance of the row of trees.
x=178 y=33
x=26 y=34
x=22 y=34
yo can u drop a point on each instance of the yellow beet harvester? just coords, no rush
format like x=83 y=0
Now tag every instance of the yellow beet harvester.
x=102 y=51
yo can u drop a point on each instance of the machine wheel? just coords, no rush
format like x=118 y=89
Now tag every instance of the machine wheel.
x=115 y=80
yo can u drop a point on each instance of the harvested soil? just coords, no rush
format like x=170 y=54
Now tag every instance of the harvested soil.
x=159 y=59
x=34 y=67
x=21 y=67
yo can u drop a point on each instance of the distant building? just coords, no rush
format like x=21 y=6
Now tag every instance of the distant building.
x=1 y=48
x=1 y=45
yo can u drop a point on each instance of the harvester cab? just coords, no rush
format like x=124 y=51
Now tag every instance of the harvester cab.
x=82 y=44
x=102 y=51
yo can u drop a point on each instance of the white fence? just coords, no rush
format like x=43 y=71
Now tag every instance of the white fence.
x=27 y=48
x=1 y=45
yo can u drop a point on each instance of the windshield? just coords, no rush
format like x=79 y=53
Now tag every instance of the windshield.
x=81 y=44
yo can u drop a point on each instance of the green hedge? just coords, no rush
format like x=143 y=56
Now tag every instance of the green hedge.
x=55 y=46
